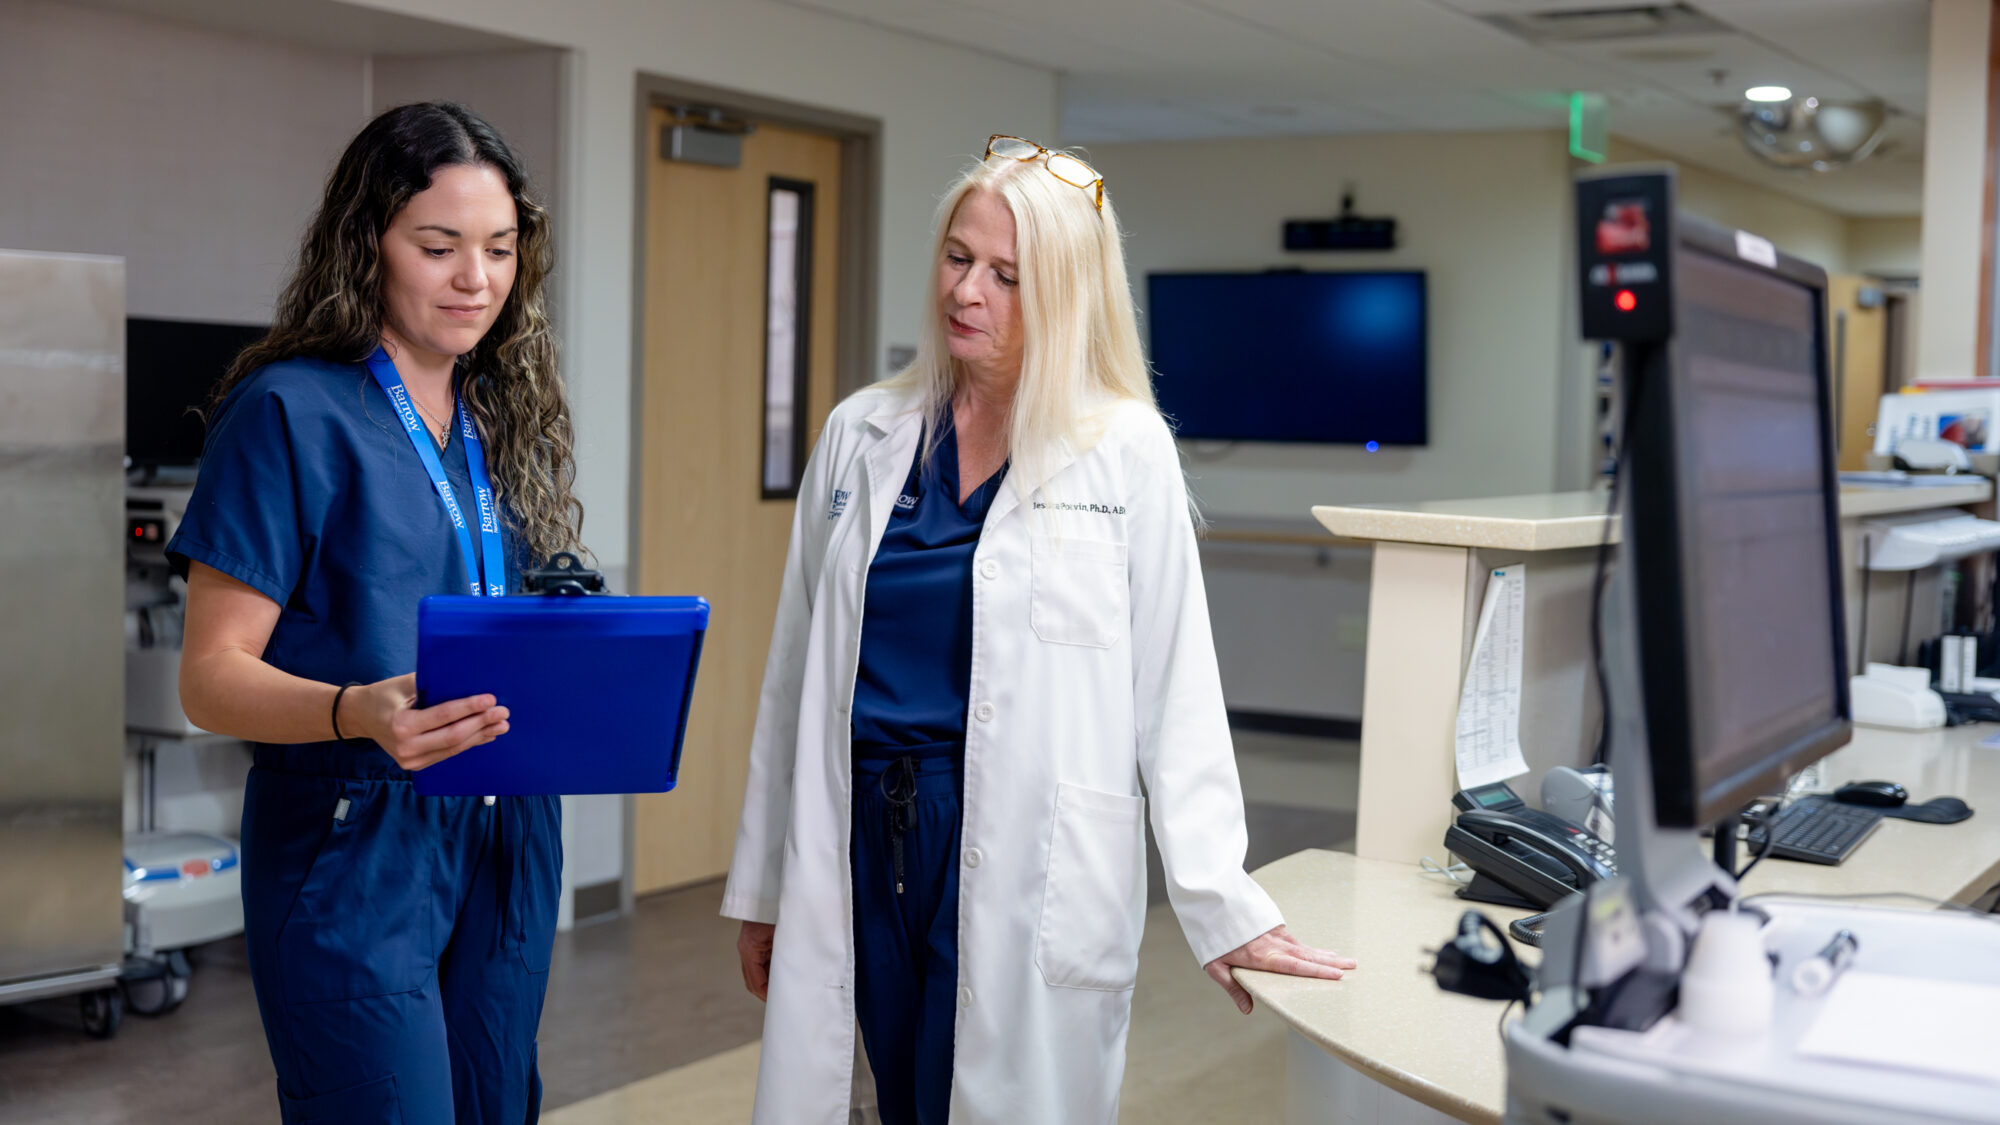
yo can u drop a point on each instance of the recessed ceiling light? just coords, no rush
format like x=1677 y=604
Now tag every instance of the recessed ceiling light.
x=1768 y=94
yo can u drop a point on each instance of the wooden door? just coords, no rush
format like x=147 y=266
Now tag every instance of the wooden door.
x=704 y=523
x=1857 y=356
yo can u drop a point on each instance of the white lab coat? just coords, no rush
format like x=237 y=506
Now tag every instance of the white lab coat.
x=1092 y=670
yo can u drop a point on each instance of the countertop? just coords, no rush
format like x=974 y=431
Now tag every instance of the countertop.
x=1559 y=520
x=1388 y=1018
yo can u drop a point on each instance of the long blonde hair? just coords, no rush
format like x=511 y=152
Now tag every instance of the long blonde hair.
x=1080 y=354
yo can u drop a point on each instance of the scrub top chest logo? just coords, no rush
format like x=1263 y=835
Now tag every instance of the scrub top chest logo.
x=905 y=502
x=839 y=506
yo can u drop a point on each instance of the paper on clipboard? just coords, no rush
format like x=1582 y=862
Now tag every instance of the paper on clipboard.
x=1489 y=702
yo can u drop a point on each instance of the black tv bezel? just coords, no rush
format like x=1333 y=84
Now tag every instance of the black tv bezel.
x=1661 y=498
x=1424 y=424
x=154 y=458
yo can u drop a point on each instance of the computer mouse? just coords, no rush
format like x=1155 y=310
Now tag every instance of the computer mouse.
x=1880 y=794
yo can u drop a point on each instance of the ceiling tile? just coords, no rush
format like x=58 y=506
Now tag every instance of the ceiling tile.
x=1166 y=69
x=1407 y=30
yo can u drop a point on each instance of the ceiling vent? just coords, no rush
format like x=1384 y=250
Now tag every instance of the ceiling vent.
x=1597 y=25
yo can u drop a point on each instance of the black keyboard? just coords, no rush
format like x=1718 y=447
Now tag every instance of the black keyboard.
x=1817 y=830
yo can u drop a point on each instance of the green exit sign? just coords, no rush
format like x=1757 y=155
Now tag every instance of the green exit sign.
x=1589 y=126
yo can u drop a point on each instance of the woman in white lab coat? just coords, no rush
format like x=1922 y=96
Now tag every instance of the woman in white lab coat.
x=992 y=632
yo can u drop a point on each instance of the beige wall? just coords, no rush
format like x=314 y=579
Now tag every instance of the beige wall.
x=1290 y=620
x=168 y=149
x=1954 y=186
x=1882 y=246
x=1796 y=227
x=1885 y=247
x=1499 y=303
x=520 y=92
x=1507 y=400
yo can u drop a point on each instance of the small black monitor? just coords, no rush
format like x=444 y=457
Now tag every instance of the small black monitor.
x=1291 y=356
x=171 y=366
x=1734 y=502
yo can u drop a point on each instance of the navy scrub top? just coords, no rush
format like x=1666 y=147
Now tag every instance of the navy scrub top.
x=915 y=670
x=310 y=492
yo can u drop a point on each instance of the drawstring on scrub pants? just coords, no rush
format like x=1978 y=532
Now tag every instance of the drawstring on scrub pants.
x=511 y=872
x=898 y=785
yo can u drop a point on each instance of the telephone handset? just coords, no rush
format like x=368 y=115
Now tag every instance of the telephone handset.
x=1521 y=856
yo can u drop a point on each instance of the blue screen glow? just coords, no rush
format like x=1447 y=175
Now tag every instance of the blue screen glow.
x=1291 y=357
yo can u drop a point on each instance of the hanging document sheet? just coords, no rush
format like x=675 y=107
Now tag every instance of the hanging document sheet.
x=1489 y=702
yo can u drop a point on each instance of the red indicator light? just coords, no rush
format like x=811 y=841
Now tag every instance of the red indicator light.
x=1625 y=301
x=138 y=533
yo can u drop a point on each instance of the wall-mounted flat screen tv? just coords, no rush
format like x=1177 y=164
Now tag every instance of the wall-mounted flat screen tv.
x=1289 y=356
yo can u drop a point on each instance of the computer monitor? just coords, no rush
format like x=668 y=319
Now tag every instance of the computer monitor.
x=1733 y=535
x=171 y=366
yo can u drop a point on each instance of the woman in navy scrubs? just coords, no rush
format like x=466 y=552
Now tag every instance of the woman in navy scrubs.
x=401 y=432
x=909 y=710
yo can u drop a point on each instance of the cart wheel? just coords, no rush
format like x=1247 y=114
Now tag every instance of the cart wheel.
x=159 y=986
x=103 y=1010
x=155 y=996
x=179 y=972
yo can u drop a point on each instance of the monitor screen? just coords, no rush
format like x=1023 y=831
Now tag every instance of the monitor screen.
x=1763 y=672
x=170 y=367
x=1291 y=357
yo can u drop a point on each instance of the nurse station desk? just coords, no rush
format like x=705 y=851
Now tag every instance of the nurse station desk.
x=1385 y=1044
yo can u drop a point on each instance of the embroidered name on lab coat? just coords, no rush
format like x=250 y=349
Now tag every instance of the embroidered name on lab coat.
x=839 y=505
x=1101 y=509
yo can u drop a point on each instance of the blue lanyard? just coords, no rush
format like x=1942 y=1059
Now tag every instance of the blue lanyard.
x=492 y=559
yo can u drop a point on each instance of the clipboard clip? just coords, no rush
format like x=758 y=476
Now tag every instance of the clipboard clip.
x=565 y=575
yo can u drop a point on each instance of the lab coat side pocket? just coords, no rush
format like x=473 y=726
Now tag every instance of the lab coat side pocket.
x=1090 y=926
x=1080 y=592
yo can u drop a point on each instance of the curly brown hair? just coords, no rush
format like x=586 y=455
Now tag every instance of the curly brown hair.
x=332 y=309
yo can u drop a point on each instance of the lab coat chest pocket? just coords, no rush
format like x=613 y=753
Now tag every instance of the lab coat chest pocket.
x=1093 y=896
x=1080 y=593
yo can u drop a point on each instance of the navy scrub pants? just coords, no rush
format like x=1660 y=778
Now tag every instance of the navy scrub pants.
x=399 y=945
x=906 y=829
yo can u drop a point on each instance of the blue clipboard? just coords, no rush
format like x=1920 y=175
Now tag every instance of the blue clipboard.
x=598 y=688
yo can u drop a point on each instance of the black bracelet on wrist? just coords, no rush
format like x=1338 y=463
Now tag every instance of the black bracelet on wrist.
x=337 y=736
